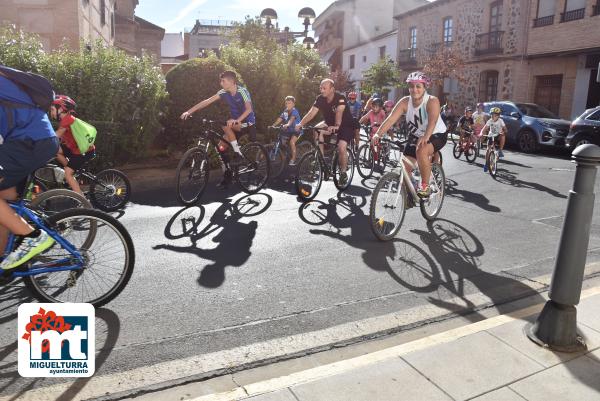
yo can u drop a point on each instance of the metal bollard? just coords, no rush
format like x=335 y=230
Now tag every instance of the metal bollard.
x=556 y=326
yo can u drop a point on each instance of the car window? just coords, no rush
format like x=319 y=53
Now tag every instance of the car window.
x=535 y=110
x=507 y=109
x=594 y=116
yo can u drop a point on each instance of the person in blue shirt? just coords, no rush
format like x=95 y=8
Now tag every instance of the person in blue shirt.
x=240 y=106
x=355 y=107
x=290 y=117
x=28 y=142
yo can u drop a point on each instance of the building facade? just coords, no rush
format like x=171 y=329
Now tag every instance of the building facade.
x=540 y=51
x=208 y=35
x=135 y=35
x=59 y=22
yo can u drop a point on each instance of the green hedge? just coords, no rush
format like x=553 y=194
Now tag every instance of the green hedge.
x=125 y=95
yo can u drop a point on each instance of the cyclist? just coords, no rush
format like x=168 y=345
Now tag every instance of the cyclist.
x=375 y=116
x=289 y=117
x=465 y=125
x=495 y=128
x=28 y=143
x=69 y=156
x=355 y=107
x=480 y=117
x=388 y=105
x=425 y=126
x=338 y=119
x=240 y=106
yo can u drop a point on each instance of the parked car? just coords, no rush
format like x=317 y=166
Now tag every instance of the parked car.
x=585 y=129
x=530 y=125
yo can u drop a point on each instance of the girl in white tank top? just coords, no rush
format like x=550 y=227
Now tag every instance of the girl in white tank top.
x=417 y=118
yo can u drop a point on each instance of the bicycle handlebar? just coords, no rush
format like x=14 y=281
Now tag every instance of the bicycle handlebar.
x=218 y=122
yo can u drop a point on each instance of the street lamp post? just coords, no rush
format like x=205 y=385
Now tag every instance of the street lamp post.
x=306 y=15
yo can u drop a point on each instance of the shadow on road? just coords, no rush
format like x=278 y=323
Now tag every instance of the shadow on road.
x=471 y=197
x=234 y=238
x=508 y=178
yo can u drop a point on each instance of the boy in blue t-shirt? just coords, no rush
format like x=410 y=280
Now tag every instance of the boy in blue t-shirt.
x=290 y=117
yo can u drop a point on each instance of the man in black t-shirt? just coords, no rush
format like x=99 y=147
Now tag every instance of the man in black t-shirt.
x=333 y=106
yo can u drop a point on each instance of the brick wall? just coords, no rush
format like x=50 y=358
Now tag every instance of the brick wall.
x=566 y=36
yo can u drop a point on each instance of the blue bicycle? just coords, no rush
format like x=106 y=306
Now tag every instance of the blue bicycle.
x=280 y=152
x=91 y=260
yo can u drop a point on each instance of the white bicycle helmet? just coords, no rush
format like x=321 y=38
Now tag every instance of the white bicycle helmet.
x=418 y=76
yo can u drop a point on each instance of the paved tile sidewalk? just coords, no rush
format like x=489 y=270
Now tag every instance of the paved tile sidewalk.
x=496 y=363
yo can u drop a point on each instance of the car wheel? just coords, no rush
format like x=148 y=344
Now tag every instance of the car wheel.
x=584 y=140
x=527 y=142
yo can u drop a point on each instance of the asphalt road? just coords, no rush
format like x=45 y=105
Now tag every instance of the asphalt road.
x=242 y=269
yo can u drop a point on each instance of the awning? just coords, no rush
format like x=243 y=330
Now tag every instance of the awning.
x=327 y=56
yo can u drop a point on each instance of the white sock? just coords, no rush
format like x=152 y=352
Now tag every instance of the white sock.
x=236 y=147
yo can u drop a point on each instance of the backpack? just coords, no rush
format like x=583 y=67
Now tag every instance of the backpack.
x=84 y=134
x=36 y=86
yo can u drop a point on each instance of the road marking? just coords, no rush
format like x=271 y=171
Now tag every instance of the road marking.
x=336 y=368
x=198 y=366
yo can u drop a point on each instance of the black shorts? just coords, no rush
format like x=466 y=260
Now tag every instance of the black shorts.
x=19 y=158
x=76 y=161
x=343 y=134
x=437 y=140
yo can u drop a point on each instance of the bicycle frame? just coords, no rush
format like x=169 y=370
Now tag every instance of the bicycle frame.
x=22 y=210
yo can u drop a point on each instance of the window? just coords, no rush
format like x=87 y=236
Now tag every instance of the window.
x=85 y=2
x=574 y=9
x=548 y=91
x=546 y=8
x=447 y=30
x=488 y=86
x=364 y=59
x=102 y=12
x=545 y=13
x=594 y=116
x=496 y=16
x=413 y=42
x=572 y=5
x=382 y=52
x=112 y=24
x=351 y=62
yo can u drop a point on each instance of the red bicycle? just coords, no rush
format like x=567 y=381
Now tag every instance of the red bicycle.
x=469 y=145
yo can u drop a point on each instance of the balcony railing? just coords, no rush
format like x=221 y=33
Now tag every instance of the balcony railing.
x=596 y=8
x=434 y=47
x=543 y=21
x=572 y=15
x=407 y=57
x=489 y=43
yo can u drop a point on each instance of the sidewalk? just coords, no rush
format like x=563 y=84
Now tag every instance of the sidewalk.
x=488 y=360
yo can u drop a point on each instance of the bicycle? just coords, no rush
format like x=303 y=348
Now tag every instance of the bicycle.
x=314 y=168
x=109 y=190
x=492 y=155
x=369 y=156
x=251 y=172
x=92 y=249
x=396 y=191
x=469 y=146
x=280 y=152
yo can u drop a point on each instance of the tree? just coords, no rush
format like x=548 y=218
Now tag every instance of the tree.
x=444 y=63
x=343 y=82
x=381 y=77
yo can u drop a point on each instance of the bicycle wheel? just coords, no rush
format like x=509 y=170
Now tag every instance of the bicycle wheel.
x=457 y=151
x=107 y=263
x=192 y=176
x=57 y=200
x=110 y=191
x=277 y=160
x=303 y=147
x=252 y=173
x=471 y=153
x=337 y=171
x=365 y=162
x=493 y=163
x=388 y=206
x=309 y=176
x=431 y=207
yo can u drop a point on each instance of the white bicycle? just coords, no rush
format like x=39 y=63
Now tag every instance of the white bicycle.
x=396 y=191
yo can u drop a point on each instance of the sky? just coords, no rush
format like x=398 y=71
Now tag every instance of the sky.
x=178 y=15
